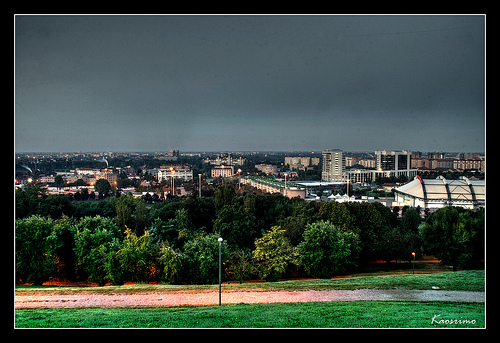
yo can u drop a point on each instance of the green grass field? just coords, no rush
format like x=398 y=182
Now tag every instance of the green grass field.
x=466 y=280
x=314 y=314
x=357 y=314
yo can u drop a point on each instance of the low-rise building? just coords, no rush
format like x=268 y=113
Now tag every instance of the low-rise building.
x=225 y=159
x=267 y=168
x=468 y=164
x=175 y=171
x=367 y=163
x=222 y=171
x=109 y=176
x=301 y=162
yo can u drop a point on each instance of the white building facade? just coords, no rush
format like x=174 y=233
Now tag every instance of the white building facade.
x=223 y=171
x=182 y=174
x=440 y=192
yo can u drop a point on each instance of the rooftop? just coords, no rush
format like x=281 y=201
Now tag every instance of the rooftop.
x=440 y=188
x=269 y=181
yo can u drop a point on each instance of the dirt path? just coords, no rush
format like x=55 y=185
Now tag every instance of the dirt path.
x=153 y=299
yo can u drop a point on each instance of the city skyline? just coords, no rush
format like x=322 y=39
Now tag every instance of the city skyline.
x=241 y=152
x=249 y=83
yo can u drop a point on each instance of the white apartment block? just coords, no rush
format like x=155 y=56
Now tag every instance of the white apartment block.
x=333 y=166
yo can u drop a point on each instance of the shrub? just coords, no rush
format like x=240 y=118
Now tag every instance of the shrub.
x=327 y=251
x=242 y=266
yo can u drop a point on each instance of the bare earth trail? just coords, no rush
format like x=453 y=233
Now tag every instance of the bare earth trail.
x=159 y=299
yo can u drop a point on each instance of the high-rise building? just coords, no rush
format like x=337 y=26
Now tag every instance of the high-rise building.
x=393 y=160
x=333 y=166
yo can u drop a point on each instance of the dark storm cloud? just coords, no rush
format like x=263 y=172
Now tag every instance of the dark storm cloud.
x=249 y=82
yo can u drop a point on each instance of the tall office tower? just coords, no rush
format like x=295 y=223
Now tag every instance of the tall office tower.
x=333 y=166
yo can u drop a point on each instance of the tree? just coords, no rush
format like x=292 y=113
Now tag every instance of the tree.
x=137 y=256
x=91 y=250
x=140 y=216
x=95 y=238
x=327 y=251
x=369 y=225
x=35 y=260
x=164 y=231
x=124 y=209
x=294 y=229
x=63 y=236
x=235 y=225
x=224 y=195
x=27 y=200
x=453 y=235
x=99 y=223
x=275 y=254
x=59 y=181
x=242 y=266
x=102 y=186
x=113 y=265
x=55 y=206
x=173 y=264
x=184 y=225
x=202 y=258
x=337 y=214
x=201 y=212
x=412 y=240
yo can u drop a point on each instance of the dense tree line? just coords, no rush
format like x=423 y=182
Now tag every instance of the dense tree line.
x=268 y=236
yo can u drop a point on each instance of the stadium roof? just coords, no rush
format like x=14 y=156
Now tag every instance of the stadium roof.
x=440 y=188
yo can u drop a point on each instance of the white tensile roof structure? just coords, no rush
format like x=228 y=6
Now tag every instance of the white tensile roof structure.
x=440 y=192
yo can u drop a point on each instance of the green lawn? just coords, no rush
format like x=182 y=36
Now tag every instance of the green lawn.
x=466 y=280
x=315 y=314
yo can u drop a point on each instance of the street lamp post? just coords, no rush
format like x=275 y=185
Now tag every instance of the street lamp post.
x=413 y=262
x=220 y=269
x=199 y=185
x=172 y=182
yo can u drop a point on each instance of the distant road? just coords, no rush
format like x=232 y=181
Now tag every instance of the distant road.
x=155 y=298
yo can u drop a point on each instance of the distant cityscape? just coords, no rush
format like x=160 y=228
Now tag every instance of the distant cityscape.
x=328 y=175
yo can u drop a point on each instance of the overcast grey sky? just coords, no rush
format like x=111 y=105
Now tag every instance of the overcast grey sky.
x=212 y=83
